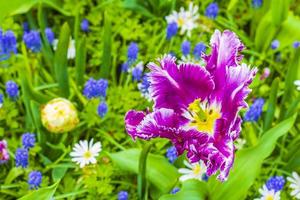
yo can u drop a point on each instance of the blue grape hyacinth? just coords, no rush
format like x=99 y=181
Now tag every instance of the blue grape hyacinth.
x=49 y=35
x=95 y=88
x=125 y=67
x=12 y=89
x=102 y=109
x=137 y=72
x=185 y=48
x=21 y=157
x=84 y=25
x=144 y=85
x=172 y=29
x=33 y=41
x=296 y=44
x=123 y=195
x=1 y=100
x=28 y=140
x=199 y=49
x=132 y=51
x=255 y=110
x=35 y=179
x=175 y=190
x=8 y=44
x=275 y=44
x=275 y=183
x=256 y=3
x=212 y=10
x=171 y=154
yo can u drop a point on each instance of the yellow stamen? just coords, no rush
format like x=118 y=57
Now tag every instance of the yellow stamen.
x=87 y=155
x=204 y=116
x=180 y=21
x=196 y=169
x=270 y=197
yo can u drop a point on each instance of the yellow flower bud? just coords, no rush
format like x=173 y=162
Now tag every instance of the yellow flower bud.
x=59 y=115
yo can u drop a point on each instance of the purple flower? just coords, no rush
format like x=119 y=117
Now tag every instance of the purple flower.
x=199 y=49
x=84 y=25
x=33 y=41
x=34 y=179
x=8 y=44
x=102 y=109
x=275 y=44
x=172 y=29
x=4 y=156
x=21 y=157
x=175 y=190
x=171 y=154
x=95 y=88
x=196 y=107
x=28 y=140
x=185 y=48
x=212 y=10
x=255 y=110
x=123 y=195
x=296 y=44
x=132 y=52
x=256 y=3
x=275 y=183
x=49 y=35
x=12 y=89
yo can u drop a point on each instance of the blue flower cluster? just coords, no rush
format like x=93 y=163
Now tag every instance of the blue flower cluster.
x=185 y=47
x=171 y=154
x=137 y=72
x=212 y=10
x=102 y=109
x=132 y=52
x=49 y=35
x=32 y=40
x=84 y=25
x=1 y=100
x=8 y=44
x=275 y=183
x=34 y=179
x=199 y=49
x=172 y=29
x=144 y=85
x=256 y=3
x=255 y=110
x=275 y=44
x=123 y=195
x=21 y=157
x=12 y=90
x=175 y=190
x=296 y=44
x=95 y=88
x=28 y=140
x=25 y=27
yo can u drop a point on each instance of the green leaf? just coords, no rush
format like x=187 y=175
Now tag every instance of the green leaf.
x=193 y=189
x=43 y=193
x=135 y=6
x=61 y=61
x=107 y=42
x=271 y=105
x=59 y=172
x=247 y=165
x=80 y=61
x=160 y=172
x=12 y=175
x=279 y=10
x=142 y=182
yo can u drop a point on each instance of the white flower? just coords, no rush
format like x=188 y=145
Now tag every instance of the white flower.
x=194 y=171
x=297 y=84
x=59 y=115
x=239 y=143
x=295 y=185
x=185 y=19
x=71 y=49
x=85 y=153
x=268 y=194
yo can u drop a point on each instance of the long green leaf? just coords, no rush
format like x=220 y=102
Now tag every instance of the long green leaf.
x=191 y=190
x=279 y=10
x=271 y=105
x=61 y=61
x=248 y=164
x=107 y=42
x=160 y=172
x=142 y=182
x=43 y=193
x=80 y=61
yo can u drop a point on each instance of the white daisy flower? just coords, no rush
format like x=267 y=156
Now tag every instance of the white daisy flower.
x=268 y=194
x=71 y=49
x=239 y=143
x=85 y=153
x=295 y=185
x=185 y=19
x=193 y=171
x=297 y=84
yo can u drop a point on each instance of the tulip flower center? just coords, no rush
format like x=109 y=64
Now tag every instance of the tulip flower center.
x=203 y=116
